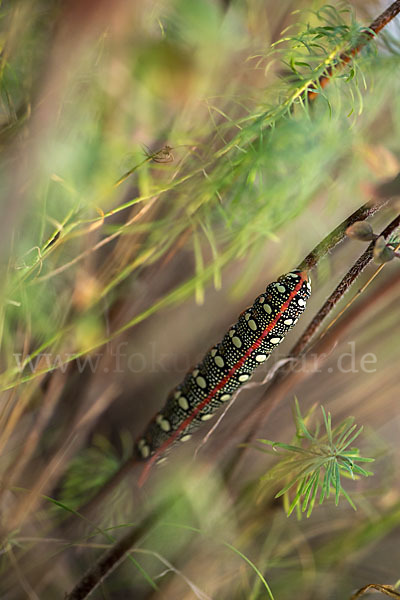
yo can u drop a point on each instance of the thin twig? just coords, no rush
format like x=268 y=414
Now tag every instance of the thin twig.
x=340 y=290
x=337 y=235
x=358 y=293
x=115 y=555
x=388 y=590
x=388 y=15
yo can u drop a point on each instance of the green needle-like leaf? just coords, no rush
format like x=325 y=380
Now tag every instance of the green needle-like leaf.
x=316 y=462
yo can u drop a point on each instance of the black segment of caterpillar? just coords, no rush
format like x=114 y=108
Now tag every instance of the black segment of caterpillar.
x=226 y=366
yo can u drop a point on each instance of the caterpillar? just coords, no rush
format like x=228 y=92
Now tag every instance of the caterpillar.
x=227 y=365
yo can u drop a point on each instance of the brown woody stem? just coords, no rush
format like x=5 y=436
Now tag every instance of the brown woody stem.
x=115 y=555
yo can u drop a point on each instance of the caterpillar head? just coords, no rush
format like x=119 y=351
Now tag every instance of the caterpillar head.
x=297 y=279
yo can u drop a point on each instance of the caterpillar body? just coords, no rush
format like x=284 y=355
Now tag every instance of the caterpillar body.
x=227 y=365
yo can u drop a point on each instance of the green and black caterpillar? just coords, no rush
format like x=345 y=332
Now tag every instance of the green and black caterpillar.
x=227 y=365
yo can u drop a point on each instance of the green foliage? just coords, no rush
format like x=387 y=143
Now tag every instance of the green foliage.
x=315 y=462
x=91 y=468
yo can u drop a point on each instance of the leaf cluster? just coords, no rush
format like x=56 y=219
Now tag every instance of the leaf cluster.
x=315 y=462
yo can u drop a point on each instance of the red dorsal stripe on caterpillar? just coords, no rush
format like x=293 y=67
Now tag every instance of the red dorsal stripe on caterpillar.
x=227 y=365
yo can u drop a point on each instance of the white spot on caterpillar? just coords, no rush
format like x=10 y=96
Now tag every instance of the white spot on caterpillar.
x=301 y=302
x=219 y=361
x=267 y=309
x=201 y=382
x=213 y=352
x=145 y=451
x=288 y=321
x=143 y=448
x=275 y=340
x=206 y=417
x=185 y=438
x=261 y=357
x=308 y=286
x=183 y=403
x=247 y=316
x=252 y=324
x=237 y=342
x=243 y=377
x=293 y=275
x=163 y=423
x=225 y=397
x=231 y=332
x=281 y=288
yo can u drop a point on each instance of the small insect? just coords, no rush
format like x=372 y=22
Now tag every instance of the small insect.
x=226 y=366
x=163 y=156
x=160 y=156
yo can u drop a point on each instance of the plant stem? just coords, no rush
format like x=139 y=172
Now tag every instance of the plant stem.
x=388 y=590
x=115 y=555
x=376 y=26
x=338 y=234
x=339 y=291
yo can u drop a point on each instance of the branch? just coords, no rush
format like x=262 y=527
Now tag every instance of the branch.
x=115 y=555
x=388 y=590
x=337 y=235
x=340 y=290
x=388 y=15
x=345 y=58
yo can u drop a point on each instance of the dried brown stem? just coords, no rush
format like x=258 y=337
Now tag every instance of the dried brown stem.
x=388 y=590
